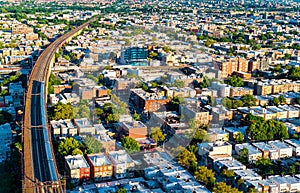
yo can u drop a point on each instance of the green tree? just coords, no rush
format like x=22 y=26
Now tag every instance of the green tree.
x=152 y=55
x=282 y=99
x=157 y=135
x=295 y=73
x=93 y=78
x=93 y=144
x=293 y=169
x=244 y=155
x=186 y=158
x=77 y=151
x=264 y=166
x=205 y=176
x=67 y=146
x=142 y=85
x=61 y=111
x=239 y=137
x=4 y=93
x=275 y=101
x=12 y=78
x=67 y=57
x=18 y=146
x=52 y=81
x=136 y=116
x=82 y=110
x=222 y=187
x=98 y=111
x=227 y=173
x=122 y=190
x=211 y=101
x=178 y=84
x=235 y=81
x=173 y=105
x=112 y=118
x=249 y=100
x=209 y=42
x=226 y=102
x=200 y=136
x=205 y=83
x=262 y=130
x=130 y=144
x=167 y=49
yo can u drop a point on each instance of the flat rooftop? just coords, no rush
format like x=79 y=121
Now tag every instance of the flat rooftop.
x=76 y=162
x=99 y=159
x=278 y=144
x=120 y=157
x=134 y=124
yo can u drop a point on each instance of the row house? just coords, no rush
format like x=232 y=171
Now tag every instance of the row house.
x=240 y=91
x=99 y=167
x=21 y=29
x=63 y=128
x=123 y=164
x=253 y=153
x=145 y=101
x=284 y=150
x=163 y=170
x=221 y=114
x=217 y=134
x=282 y=112
x=229 y=65
x=295 y=144
x=246 y=175
x=84 y=126
x=195 y=111
x=77 y=169
x=276 y=86
x=102 y=135
x=267 y=150
x=275 y=184
x=170 y=122
x=134 y=129
x=229 y=165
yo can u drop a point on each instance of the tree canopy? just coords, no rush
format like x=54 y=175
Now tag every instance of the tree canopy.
x=52 y=81
x=262 y=130
x=130 y=144
x=235 y=81
x=246 y=101
x=178 y=84
x=61 y=111
x=222 y=187
x=157 y=135
x=173 y=104
x=186 y=158
x=239 y=137
x=205 y=176
x=265 y=166
x=71 y=146
x=93 y=144
x=82 y=110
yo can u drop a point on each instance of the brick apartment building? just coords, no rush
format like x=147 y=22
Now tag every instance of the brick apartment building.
x=228 y=65
x=135 y=129
x=21 y=29
x=78 y=169
x=194 y=111
x=101 y=167
x=145 y=101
